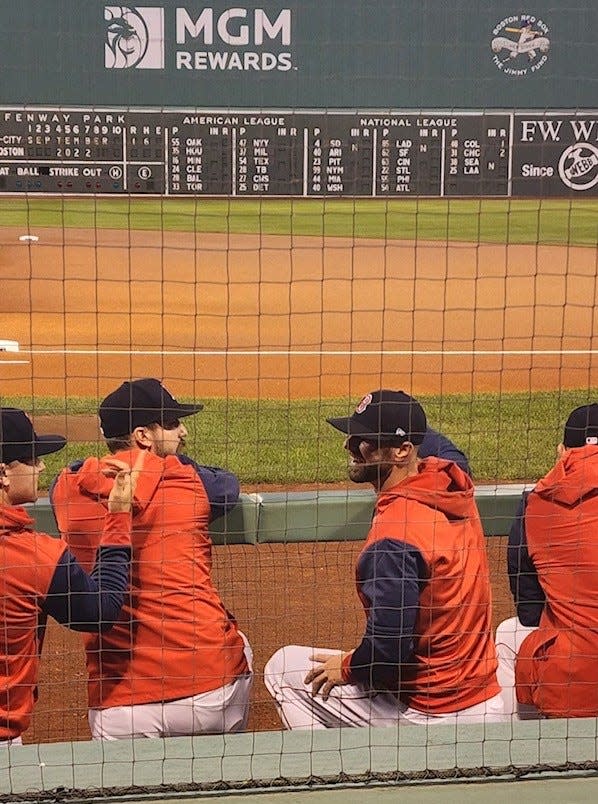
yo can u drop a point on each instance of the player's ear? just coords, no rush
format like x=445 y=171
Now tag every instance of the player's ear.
x=141 y=437
x=403 y=453
x=4 y=484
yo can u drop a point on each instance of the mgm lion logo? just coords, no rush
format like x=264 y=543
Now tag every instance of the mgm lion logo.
x=134 y=38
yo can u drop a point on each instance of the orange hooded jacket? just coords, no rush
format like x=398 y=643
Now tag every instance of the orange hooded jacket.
x=29 y=563
x=557 y=664
x=423 y=579
x=174 y=638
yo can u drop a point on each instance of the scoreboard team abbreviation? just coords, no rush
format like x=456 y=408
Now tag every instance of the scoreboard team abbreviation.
x=298 y=153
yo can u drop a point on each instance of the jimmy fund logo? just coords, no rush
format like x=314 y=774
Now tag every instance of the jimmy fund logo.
x=520 y=44
x=134 y=38
x=204 y=38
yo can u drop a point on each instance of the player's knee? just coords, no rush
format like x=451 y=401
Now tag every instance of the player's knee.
x=277 y=664
x=505 y=631
x=285 y=661
x=272 y=668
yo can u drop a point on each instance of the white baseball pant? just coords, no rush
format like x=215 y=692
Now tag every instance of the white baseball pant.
x=218 y=711
x=351 y=704
x=509 y=637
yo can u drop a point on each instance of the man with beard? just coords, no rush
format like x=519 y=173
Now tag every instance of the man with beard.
x=175 y=663
x=427 y=654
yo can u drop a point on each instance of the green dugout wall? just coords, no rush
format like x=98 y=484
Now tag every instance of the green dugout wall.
x=318 y=516
x=303 y=53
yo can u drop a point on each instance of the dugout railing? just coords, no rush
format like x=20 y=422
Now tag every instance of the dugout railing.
x=296 y=760
x=318 y=515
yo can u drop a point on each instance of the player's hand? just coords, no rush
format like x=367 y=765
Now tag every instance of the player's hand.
x=327 y=674
x=125 y=477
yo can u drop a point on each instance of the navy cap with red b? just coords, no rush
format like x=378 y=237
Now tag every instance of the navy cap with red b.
x=20 y=442
x=384 y=415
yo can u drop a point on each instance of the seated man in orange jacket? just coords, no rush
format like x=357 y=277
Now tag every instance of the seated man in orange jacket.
x=427 y=653
x=549 y=652
x=39 y=576
x=175 y=663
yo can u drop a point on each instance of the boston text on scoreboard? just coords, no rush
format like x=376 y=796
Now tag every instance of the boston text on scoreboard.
x=298 y=153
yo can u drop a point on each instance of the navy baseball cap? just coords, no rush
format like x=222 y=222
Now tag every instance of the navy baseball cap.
x=385 y=416
x=582 y=427
x=137 y=403
x=20 y=442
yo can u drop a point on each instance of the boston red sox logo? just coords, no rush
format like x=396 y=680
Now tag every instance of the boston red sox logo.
x=364 y=403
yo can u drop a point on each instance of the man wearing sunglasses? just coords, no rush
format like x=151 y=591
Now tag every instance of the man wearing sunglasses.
x=427 y=654
x=175 y=663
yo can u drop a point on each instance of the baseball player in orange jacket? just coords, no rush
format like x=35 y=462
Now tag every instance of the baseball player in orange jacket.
x=427 y=653
x=175 y=663
x=550 y=650
x=39 y=576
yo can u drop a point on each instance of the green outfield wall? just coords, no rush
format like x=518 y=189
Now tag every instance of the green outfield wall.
x=307 y=53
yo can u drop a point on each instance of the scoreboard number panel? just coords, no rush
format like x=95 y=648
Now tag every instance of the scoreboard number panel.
x=298 y=153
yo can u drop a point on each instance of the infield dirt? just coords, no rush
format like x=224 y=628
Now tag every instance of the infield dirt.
x=92 y=304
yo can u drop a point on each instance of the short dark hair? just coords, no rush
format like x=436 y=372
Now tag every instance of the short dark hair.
x=119 y=443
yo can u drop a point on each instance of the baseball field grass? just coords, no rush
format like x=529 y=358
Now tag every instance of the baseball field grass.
x=507 y=437
x=567 y=222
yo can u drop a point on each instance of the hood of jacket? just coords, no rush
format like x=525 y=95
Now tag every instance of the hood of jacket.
x=14 y=517
x=438 y=484
x=572 y=478
x=91 y=481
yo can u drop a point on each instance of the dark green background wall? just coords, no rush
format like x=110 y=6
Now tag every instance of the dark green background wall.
x=344 y=53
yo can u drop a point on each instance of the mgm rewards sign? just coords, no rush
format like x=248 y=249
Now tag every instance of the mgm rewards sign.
x=308 y=55
x=203 y=39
